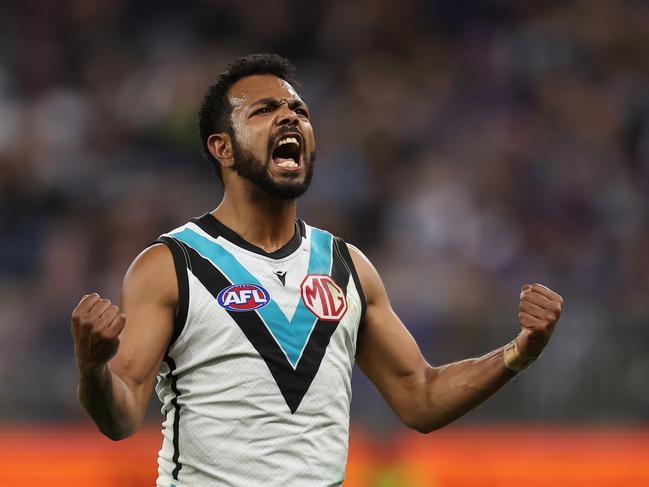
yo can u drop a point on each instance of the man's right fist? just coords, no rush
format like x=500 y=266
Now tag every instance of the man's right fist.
x=96 y=325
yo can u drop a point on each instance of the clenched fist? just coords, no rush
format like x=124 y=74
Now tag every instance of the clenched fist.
x=538 y=313
x=96 y=325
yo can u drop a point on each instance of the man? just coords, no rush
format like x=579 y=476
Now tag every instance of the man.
x=251 y=319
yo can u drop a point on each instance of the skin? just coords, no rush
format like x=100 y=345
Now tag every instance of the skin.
x=118 y=352
x=266 y=222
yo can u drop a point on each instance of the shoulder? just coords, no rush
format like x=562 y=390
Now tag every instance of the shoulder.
x=359 y=258
x=156 y=257
x=152 y=273
x=368 y=276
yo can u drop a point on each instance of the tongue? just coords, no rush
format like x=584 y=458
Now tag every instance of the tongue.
x=285 y=162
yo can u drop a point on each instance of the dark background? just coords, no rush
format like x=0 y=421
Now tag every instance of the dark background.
x=467 y=147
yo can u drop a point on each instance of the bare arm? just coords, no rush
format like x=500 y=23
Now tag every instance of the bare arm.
x=424 y=397
x=118 y=354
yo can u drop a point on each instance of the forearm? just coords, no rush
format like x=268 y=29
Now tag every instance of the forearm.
x=454 y=389
x=110 y=403
x=426 y=398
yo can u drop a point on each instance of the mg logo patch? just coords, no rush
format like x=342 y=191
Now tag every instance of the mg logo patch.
x=323 y=297
x=243 y=297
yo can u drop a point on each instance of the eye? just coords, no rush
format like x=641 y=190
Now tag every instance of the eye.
x=262 y=110
x=302 y=111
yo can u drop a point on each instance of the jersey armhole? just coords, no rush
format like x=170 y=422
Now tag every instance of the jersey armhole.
x=181 y=266
x=347 y=258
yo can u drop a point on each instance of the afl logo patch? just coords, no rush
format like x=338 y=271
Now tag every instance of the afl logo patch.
x=323 y=297
x=243 y=297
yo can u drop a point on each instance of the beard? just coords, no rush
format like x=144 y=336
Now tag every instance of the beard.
x=256 y=171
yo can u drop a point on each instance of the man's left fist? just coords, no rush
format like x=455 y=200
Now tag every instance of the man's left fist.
x=538 y=313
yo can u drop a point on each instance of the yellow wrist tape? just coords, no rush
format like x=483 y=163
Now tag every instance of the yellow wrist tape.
x=514 y=359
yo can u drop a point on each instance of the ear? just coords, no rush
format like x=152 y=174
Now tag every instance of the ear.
x=220 y=146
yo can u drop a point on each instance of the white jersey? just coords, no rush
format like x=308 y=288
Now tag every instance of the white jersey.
x=256 y=384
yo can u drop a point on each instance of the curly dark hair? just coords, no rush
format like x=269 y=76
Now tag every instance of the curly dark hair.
x=216 y=110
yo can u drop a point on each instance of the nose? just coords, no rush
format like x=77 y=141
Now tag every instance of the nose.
x=286 y=116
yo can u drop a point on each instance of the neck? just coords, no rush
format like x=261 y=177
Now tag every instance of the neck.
x=263 y=221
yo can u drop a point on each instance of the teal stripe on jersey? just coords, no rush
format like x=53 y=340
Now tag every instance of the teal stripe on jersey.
x=291 y=335
x=320 y=257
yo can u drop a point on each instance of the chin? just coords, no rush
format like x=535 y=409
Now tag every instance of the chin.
x=284 y=191
x=287 y=186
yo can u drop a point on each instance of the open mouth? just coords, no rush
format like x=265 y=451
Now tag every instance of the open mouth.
x=287 y=151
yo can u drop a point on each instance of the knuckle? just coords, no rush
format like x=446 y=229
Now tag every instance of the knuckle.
x=85 y=321
x=106 y=334
x=90 y=326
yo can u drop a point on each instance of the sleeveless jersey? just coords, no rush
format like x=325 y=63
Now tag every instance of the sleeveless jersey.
x=256 y=383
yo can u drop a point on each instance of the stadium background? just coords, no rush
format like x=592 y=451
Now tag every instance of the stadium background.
x=466 y=146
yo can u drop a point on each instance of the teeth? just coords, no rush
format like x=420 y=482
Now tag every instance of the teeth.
x=288 y=140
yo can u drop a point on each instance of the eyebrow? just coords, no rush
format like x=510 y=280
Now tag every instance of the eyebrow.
x=274 y=102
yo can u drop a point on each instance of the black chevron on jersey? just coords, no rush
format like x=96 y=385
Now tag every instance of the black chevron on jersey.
x=292 y=383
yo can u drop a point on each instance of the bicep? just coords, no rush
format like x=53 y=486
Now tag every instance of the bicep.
x=387 y=353
x=149 y=298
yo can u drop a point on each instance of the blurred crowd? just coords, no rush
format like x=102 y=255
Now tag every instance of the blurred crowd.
x=466 y=146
